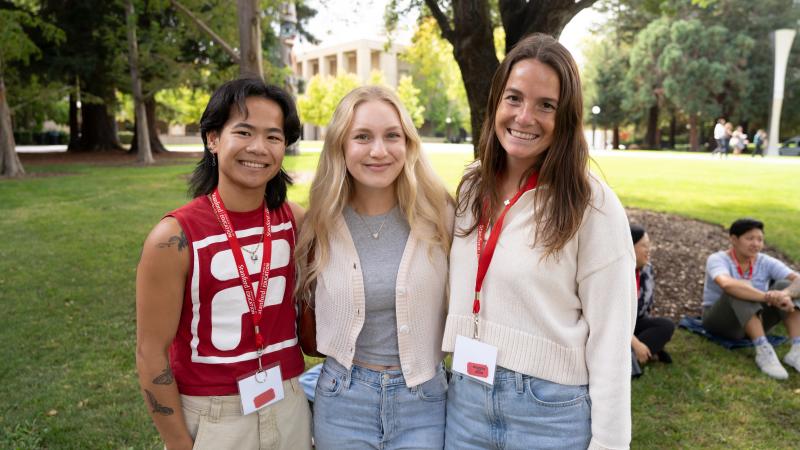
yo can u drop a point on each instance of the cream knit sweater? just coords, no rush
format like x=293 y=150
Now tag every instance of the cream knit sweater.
x=568 y=319
x=420 y=302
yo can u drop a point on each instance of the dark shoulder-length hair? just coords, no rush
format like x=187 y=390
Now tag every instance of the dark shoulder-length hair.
x=234 y=94
x=563 y=167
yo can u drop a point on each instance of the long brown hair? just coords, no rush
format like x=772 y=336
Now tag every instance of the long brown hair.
x=563 y=168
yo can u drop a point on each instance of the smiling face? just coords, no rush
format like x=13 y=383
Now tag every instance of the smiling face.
x=642 y=249
x=250 y=149
x=526 y=113
x=749 y=244
x=375 y=147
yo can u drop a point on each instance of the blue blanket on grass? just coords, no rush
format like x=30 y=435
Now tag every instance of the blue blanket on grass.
x=695 y=325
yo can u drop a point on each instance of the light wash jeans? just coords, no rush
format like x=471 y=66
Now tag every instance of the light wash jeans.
x=519 y=412
x=362 y=408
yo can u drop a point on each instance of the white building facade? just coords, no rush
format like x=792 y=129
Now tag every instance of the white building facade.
x=360 y=57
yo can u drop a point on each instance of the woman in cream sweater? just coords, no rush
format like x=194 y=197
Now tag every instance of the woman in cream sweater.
x=541 y=312
x=375 y=244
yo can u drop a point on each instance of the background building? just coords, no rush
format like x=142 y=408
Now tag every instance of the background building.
x=360 y=57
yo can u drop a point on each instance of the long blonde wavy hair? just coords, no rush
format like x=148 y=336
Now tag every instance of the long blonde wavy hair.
x=421 y=195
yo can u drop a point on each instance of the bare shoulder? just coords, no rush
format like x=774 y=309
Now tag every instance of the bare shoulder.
x=165 y=246
x=168 y=234
x=298 y=212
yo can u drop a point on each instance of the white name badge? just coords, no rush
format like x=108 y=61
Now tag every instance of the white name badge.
x=261 y=389
x=475 y=359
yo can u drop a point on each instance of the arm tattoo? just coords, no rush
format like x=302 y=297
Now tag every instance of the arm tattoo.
x=165 y=377
x=180 y=241
x=158 y=408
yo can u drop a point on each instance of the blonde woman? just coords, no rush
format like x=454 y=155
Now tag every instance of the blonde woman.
x=375 y=244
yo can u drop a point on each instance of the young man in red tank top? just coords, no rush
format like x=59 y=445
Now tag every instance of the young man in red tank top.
x=217 y=350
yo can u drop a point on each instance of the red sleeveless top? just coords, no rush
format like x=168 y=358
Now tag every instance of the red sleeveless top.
x=215 y=341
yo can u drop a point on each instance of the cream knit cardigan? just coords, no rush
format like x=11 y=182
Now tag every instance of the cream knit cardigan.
x=568 y=319
x=420 y=299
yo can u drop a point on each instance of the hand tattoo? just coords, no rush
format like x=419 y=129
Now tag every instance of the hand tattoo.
x=158 y=408
x=165 y=377
x=180 y=241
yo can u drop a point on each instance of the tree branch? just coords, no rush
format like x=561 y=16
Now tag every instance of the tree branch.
x=441 y=19
x=214 y=36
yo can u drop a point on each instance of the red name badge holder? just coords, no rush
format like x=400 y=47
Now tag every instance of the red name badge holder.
x=263 y=387
x=472 y=357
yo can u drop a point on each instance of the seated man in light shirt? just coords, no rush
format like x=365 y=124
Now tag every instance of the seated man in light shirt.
x=738 y=300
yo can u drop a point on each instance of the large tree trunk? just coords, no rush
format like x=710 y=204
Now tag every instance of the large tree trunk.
x=156 y=146
x=74 y=124
x=615 y=138
x=470 y=32
x=251 y=63
x=10 y=164
x=673 y=128
x=143 y=154
x=652 y=127
x=98 y=131
x=694 y=142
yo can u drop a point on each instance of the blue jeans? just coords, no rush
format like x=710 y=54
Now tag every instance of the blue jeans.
x=362 y=408
x=519 y=412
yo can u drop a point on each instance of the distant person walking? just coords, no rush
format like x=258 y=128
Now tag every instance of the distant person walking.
x=760 y=141
x=719 y=136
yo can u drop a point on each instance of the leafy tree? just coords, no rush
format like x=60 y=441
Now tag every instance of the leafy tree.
x=183 y=104
x=88 y=60
x=700 y=62
x=437 y=77
x=605 y=85
x=322 y=94
x=645 y=77
x=16 y=46
x=469 y=26
x=409 y=95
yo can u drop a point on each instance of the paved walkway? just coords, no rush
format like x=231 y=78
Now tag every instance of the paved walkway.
x=435 y=147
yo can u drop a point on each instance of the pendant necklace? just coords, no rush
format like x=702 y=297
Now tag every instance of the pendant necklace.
x=253 y=253
x=374 y=234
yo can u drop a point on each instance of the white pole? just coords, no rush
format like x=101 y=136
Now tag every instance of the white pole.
x=783 y=44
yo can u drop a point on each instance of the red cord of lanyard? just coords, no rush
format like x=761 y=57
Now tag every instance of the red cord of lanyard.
x=485 y=254
x=739 y=267
x=255 y=302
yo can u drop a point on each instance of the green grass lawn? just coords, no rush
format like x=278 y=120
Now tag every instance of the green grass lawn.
x=71 y=243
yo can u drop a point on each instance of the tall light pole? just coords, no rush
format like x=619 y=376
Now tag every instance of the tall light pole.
x=783 y=44
x=287 y=35
x=595 y=112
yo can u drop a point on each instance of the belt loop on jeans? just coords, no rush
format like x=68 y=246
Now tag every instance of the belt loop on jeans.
x=519 y=382
x=215 y=409
x=348 y=376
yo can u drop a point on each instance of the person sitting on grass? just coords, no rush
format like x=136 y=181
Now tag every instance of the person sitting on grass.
x=738 y=300
x=651 y=334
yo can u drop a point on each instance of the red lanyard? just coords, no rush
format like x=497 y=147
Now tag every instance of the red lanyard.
x=485 y=255
x=638 y=274
x=739 y=267
x=256 y=304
